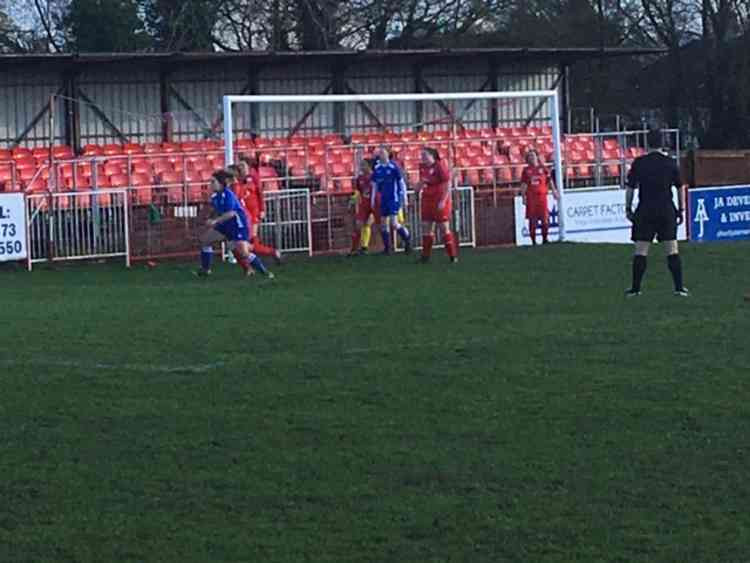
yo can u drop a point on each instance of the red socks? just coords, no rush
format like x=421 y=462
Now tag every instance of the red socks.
x=545 y=230
x=532 y=230
x=356 y=236
x=450 y=244
x=427 y=241
x=241 y=260
x=262 y=249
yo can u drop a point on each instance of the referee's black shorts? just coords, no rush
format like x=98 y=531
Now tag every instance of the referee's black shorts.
x=660 y=223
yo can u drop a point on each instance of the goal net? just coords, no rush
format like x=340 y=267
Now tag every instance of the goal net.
x=316 y=142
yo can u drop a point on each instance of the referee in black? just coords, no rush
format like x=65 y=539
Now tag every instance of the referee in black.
x=654 y=175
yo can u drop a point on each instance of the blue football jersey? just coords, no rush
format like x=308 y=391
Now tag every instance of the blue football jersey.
x=226 y=200
x=389 y=182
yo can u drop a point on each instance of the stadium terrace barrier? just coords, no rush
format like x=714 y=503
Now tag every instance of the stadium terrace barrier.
x=462 y=222
x=287 y=222
x=110 y=223
x=77 y=226
x=170 y=227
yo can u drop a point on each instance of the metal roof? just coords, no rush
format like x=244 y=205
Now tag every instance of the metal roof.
x=560 y=55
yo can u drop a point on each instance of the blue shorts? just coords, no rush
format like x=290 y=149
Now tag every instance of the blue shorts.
x=389 y=208
x=232 y=232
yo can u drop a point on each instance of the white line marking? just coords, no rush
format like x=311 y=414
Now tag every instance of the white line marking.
x=143 y=368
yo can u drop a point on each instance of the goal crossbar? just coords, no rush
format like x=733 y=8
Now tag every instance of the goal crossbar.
x=549 y=95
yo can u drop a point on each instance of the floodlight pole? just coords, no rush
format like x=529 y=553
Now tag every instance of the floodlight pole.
x=559 y=177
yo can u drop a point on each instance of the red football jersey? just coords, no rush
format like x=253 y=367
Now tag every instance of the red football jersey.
x=363 y=185
x=437 y=177
x=254 y=195
x=536 y=179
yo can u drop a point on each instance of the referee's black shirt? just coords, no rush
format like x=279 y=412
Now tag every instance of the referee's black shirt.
x=653 y=175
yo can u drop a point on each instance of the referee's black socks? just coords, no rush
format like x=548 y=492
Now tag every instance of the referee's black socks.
x=675 y=267
x=639 y=269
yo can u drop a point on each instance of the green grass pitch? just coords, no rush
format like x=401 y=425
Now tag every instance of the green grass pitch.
x=514 y=407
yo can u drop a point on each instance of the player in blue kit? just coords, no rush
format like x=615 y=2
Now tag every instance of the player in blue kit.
x=388 y=181
x=231 y=224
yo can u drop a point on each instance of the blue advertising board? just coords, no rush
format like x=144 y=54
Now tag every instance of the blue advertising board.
x=720 y=213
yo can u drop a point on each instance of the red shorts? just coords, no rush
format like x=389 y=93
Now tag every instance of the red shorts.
x=431 y=213
x=364 y=210
x=536 y=207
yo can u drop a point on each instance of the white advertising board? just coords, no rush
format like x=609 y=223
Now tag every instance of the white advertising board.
x=12 y=227
x=591 y=215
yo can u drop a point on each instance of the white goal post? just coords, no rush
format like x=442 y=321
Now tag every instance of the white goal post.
x=546 y=96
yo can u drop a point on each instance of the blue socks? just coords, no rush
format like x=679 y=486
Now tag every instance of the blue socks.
x=207 y=254
x=386 y=234
x=403 y=232
x=257 y=265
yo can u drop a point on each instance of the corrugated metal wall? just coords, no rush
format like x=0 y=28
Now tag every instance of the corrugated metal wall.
x=466 y=76
x=23 y=95
x=519 y=78
x=277 y=120
x=381 y=78
x=202 y=89
x=128 y=97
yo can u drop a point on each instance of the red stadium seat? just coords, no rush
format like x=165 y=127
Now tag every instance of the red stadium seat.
x=115 y=167
x=267 y=176
x=36 y=186
x=21 y=153
x=92 y=150
x=192 y=146
x=612 y=170
x=102 y=200
x=141 y=180
x=119 y=181
x=205 y=174
x=170 y=147
x=26 y=174
x=170 y=178
x=198 y=192
x=141 y=195
x=102 y=182
x=62 y=152
x=471 y=177
x=132 y=148
x=5 y=154
x=112 y=149
x=143 y=168
x=78 y=184
x=163 y=167
x=338 y=170
x=504 y=175
x=245 y=144
x=87 y=171
x=152 y=148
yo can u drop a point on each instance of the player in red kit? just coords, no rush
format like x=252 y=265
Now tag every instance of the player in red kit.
x=535 y=184
x=436 y=204
x=365 y=212
x=256 y=206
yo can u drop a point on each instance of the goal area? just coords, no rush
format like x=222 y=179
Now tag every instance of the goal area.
x=319 y=140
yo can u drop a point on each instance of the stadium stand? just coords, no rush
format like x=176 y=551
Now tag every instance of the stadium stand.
x=483 y=158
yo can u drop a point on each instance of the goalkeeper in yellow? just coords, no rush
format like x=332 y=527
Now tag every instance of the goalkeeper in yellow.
x=366 y=211
x=365 y=214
